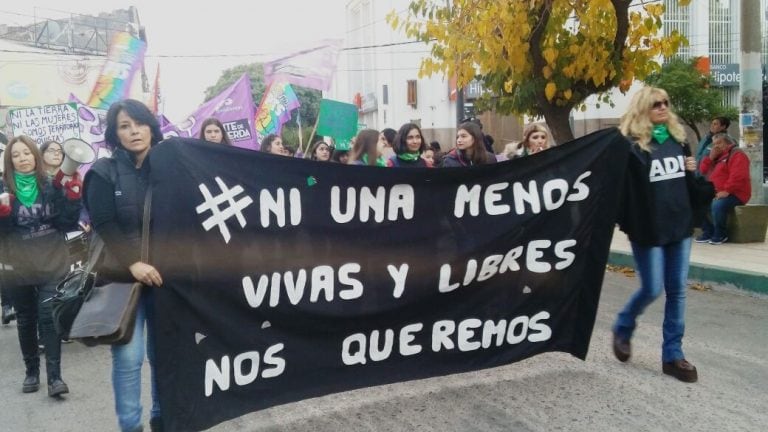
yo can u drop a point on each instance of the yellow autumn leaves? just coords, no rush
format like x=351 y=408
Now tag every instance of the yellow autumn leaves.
x=577 y=43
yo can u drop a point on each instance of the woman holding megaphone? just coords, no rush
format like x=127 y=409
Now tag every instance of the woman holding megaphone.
x=35 y=211
x=53 y=156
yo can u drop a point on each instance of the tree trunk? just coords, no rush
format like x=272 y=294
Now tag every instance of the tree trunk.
x=558 y=121
x=695 y=129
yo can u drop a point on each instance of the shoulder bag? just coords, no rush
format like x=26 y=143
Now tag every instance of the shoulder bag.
x=108 y=314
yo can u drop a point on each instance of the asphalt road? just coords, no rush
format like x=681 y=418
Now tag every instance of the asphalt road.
x=725 y=339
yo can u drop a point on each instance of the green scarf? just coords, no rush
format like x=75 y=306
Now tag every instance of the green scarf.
x=379 y=161
x=660 y=133
x=409 y=157
x=26 y=188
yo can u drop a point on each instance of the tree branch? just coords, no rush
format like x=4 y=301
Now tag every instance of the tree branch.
x=621 y=8
x=543 y=12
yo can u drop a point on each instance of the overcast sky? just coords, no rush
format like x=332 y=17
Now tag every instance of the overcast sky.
x=244 y=31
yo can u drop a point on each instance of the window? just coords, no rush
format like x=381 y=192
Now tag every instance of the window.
x=385 y=94
x=412 y=93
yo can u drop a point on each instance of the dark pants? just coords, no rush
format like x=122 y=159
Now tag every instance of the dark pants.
x=5 y=298
x=33 y=314
x=715 y=223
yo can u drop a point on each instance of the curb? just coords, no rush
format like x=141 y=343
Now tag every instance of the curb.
x=742 y=279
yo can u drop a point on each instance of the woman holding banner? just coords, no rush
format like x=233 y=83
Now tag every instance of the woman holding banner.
x=35 y=212
x=409 y=144
x=657 y=217
x=115 y=188
x=367 y=149
x=273 y=144
x=320 y=151
x=213 y=131
x=470 y=148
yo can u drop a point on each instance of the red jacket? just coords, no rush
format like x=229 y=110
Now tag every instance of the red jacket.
x=729 y=173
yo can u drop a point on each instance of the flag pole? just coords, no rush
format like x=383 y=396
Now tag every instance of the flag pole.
x=314 y=129
x=301 y=135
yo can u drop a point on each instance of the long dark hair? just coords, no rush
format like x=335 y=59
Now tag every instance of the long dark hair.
x=139 y=113
x=389 y=135
x=479 y=154
x=214 y=121
x=400 y=144
x=9 y=171
x=315 y=146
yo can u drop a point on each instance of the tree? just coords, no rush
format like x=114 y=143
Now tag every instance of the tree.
x=690 y=93
x=309 y=98
x=540 y=57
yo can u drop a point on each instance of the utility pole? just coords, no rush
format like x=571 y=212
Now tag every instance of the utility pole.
x=751 y=96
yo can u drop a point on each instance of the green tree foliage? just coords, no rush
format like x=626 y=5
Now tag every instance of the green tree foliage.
x=540 y=57
x=689 y=90
x=309 y=98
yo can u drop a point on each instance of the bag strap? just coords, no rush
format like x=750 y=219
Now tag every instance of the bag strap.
x=145 y=226
x=95 y=253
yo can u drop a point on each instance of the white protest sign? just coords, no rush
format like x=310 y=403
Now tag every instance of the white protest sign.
x=47 y=122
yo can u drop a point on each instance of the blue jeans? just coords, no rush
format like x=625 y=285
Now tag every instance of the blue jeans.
x=126 y=367
x=659 y=267
x=714 y=225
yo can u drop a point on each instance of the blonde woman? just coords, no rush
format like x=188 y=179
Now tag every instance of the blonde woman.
x=657 y=217
x=536 y=137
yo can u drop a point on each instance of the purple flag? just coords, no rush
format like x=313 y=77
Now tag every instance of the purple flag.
x=233 y=107
x=313 y=67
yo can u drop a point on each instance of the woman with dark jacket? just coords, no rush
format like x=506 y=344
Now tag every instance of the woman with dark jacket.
x=35 y=213
x=409 y=144
x=470 y=148
x=657 y=217
x=115 y=188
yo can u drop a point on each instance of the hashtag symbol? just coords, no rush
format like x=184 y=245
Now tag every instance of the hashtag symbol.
x=232 y=208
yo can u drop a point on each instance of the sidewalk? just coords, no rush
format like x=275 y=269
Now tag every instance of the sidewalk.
x=739 y=265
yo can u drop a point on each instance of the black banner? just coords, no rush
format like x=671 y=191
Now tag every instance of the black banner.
x=286 y=279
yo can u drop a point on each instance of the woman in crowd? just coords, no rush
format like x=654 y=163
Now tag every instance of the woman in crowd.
x=320 y=151
x=213 y=131
x=273 y=144
x=656 y=215
x=340 y=156
x=117 y=218
x=470 y=148
x=429 y=157
x=53 y=156
x=367 y=149
x=409 y=144
x=35 y=212
x=535 y=139
x=387 y=142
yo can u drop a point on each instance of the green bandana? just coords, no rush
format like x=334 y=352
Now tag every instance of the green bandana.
x=379 y=161
x=409 y=157
x=660 y=133
x=26 y=188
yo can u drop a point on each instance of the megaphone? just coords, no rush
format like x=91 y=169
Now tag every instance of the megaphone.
x=76 y=153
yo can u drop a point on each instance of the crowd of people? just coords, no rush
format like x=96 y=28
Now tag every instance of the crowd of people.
x=38 y=205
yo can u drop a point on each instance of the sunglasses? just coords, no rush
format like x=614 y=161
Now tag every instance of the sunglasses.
x=658 y=104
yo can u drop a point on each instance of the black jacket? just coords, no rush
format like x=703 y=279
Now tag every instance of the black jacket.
x=114 y=197
x=655 y=208
x=456 y=158
x=33 y=237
